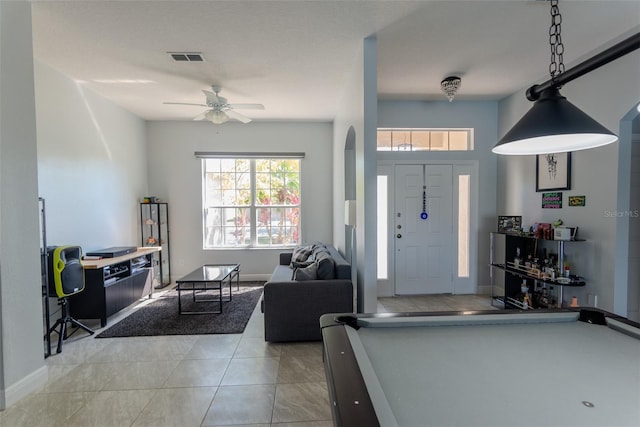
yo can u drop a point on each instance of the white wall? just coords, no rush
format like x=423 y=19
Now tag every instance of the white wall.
x=368 y=173
x=606 y=94
x=92 y=164
x=175 y=175
x=85 y=156
x=482 y=117
x=349 y=116
x=358 y=109
x=22 y=367
x=633 y=270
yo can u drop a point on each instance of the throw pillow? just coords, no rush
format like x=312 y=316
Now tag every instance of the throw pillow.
x=309 y=272
x=303 y=264
x=326 y=266
x=300 y=254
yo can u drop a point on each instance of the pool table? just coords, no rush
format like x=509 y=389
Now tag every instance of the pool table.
x=500 y=368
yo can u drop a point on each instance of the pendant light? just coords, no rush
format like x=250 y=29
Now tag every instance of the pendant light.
x=450 y=86
x=553 y=124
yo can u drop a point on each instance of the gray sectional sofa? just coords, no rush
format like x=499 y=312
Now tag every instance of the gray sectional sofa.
x=292 y=308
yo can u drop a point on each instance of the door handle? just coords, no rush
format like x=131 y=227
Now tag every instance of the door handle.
x=399 y=236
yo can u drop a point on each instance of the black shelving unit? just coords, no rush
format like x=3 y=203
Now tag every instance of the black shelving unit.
x=507 y=276
x=154 y=232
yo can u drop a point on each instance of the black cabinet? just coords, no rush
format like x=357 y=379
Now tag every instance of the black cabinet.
x=113 y=284
x=529 y=272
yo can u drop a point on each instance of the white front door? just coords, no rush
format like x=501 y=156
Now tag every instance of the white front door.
x=423 y=247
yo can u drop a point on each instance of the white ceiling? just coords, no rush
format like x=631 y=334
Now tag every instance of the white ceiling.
x=294 y=56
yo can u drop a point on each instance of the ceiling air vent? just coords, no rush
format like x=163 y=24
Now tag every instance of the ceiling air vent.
x=187 y=56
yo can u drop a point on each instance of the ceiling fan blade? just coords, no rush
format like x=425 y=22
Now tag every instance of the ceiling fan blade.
x=201 y=116
x=184 y=103
x=239 y=117
x=247 y=106
x=211 y=97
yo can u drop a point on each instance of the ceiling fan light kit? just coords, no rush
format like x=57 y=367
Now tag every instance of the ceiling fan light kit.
x=553 y=124
x=216 y=117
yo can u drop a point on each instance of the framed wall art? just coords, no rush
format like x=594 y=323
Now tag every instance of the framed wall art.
x=577 y=200
x=553 y=171
x=509 y=224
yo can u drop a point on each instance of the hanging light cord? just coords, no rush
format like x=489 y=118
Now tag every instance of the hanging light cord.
x=556 y=66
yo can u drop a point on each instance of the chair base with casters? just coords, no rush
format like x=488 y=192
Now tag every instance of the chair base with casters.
x=62 y=322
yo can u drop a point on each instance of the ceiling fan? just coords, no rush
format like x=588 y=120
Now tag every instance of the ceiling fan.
x=220 y=111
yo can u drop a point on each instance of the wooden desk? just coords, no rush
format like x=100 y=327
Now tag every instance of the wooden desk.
x=92 y=264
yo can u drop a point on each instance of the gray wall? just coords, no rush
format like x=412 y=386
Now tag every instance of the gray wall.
x=633 y=302
x=92 y=164
x=89 y=164
x=22 y=367
x=358 y=109
x=607 y=94
x=175 y=175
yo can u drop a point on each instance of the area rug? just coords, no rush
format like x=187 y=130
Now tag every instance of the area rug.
x=161 y=317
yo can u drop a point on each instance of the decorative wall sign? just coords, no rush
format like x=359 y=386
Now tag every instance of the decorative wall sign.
x=509 y=224
x=577 y=200
x=552 y=200
x=553 y=171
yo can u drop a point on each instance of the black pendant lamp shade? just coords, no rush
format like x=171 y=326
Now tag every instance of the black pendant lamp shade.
x=553 y=125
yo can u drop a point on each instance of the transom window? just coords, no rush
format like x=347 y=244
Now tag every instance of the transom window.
x=392 y=139
x=251 y=202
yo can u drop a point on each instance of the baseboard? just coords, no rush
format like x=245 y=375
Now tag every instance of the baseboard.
x=245 y=277
x=385 y=294
x=484 y=290
x=24 y=387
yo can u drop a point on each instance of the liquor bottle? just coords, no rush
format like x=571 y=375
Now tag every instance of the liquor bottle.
x=517 y=260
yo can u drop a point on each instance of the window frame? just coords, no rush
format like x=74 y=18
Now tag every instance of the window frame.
x=253 y=206
x=408 y=147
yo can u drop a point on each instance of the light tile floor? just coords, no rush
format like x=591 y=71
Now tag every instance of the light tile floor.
x=430 y=303
x=199 y=380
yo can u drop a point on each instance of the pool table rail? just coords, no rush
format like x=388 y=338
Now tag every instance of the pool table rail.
x=348 y=395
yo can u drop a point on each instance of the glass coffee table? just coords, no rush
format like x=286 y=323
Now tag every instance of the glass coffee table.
x=209 y=277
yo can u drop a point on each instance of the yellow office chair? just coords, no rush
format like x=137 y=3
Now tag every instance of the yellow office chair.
x=66 y=277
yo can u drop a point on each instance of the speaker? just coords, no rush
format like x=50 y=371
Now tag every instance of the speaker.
x=66 y=276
